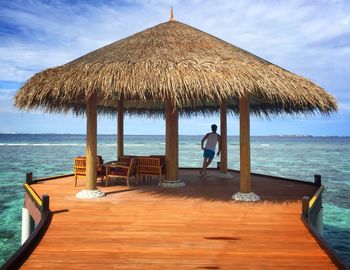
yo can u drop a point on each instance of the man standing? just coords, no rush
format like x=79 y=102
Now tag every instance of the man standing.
x=209 y=150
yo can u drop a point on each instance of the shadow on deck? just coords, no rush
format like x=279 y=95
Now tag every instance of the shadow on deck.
x=211 y=187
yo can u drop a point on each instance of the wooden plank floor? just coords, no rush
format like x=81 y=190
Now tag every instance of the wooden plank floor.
x=195 y=227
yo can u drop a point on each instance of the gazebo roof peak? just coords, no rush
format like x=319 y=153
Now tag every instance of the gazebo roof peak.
x=171 y=14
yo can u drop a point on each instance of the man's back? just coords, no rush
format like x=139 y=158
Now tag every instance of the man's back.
x=211 y=141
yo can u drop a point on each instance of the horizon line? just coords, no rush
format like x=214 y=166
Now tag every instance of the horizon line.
x=237 y=135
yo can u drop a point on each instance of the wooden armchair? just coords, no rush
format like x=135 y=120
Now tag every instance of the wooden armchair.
x=150 y=166
x=125 y=160
x=80 y=168
x=118 y=170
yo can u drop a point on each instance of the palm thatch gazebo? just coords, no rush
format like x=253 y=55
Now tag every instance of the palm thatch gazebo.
x=172 y=69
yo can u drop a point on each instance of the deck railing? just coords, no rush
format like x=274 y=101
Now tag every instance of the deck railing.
x=36 y=217
x=312 y=217
x=312 y=209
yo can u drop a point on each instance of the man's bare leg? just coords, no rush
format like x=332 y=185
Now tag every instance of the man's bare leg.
x=205 y=161
x=209 y=160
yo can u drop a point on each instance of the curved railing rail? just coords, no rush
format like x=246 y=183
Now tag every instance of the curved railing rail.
x=312 y=217
x=35 y=197
x=35 y=211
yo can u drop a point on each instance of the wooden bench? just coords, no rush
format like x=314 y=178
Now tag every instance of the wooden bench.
x=150 y=166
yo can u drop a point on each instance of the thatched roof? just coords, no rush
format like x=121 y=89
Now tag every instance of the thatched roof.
x=172 y=61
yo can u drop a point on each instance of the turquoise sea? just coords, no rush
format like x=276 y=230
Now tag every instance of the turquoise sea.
x=292 y=157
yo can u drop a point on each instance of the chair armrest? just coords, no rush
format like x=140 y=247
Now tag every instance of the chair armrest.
x=110 y=162
x=119 y=166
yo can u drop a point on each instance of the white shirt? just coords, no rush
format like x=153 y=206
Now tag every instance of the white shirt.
x=211 y=141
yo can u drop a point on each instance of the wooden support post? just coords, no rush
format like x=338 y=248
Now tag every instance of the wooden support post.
x=91 y=143
x=120 y=128
x=244 y=138
x=305 y=206
x=223 y=133
x=172 y=141
x=317 y=180
x=29 y=178
x=46 y=203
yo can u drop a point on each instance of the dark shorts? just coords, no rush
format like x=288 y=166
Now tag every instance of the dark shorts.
x=208 y=153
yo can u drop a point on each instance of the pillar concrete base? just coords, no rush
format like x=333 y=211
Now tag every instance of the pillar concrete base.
x=245 y=197
x=172 y=184
x=90 y=194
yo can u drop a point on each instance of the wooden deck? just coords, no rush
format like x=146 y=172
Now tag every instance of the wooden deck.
x=195 y=227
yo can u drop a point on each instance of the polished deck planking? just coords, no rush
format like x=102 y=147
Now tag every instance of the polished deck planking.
x=195 y=227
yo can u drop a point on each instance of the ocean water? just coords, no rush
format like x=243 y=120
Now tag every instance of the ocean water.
x=292 y=157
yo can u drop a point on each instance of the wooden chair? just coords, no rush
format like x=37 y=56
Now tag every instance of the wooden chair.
x=150 y=166
x=124 y=160
x=80 y=168
x=118 y=170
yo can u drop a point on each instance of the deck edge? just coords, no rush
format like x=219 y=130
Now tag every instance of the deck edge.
x=324 y=245
x=23 y=253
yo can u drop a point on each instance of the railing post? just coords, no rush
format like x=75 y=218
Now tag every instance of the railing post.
x=317 y=180
x=29 y=178
x=305 y=206
x=46 y=203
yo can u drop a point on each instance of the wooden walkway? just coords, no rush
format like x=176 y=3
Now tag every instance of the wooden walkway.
x=195 y=227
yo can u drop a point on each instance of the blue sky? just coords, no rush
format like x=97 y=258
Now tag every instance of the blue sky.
x=310 y=38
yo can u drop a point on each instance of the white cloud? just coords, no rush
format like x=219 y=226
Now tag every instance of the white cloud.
x=6 y=96
x=60 y=33
x=344 y=106
x=7 y=93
